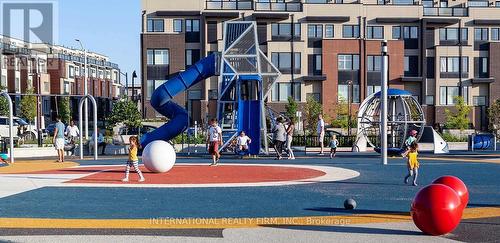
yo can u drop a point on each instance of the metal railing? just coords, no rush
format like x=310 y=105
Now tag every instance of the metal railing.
x=278 y=6
x=446 y=12
x=229 y=5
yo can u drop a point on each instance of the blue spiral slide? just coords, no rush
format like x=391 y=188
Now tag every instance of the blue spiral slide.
x=162 y=102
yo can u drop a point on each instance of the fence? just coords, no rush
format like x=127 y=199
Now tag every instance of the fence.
x=314 y=141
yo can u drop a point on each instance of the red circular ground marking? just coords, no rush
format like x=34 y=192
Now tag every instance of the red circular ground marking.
x=197 y=174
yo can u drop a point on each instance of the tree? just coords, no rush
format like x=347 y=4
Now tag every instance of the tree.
x=291 y=109
x=64 y=110
x=4 y=104
x=342 y=115
x=28 y=106
x=312 y=110
x=126 y=112
x=494 y=116
x=460 y=118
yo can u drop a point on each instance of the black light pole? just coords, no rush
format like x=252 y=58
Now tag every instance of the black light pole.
x=134 y=76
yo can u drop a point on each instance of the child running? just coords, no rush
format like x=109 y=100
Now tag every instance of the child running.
x=132 y=159
x=333 y=146
x=412 y=164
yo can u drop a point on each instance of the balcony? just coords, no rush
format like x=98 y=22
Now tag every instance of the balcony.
x=229 y=5
x=274 y=6
x=446 y=12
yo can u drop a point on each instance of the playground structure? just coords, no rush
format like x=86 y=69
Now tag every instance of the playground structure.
x=246 y=78
x=482 y=141
x=404 y=114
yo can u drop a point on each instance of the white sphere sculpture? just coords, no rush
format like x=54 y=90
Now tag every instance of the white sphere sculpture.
x=158 y=156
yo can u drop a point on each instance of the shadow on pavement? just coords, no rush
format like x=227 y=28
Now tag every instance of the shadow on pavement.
x=348 y=229
x=356 y=211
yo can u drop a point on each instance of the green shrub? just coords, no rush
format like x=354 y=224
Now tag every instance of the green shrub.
x=448 y=137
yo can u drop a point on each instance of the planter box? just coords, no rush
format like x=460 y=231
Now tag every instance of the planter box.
x=458 y=133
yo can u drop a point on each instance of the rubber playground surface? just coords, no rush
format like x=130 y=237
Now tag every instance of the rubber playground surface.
x=258 y=196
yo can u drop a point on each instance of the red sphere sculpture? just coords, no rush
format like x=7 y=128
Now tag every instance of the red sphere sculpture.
x=456 y=184
x=436 y=209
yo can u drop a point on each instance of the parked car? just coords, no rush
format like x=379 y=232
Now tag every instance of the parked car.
x=20 y=128
x=50 y=129
x=121 y=137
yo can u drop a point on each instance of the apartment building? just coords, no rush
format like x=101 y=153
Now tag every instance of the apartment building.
x=330 y=50
x=56 y=70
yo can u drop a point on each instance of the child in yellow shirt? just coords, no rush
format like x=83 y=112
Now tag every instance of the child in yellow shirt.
x=132 y=159
x=412 y=164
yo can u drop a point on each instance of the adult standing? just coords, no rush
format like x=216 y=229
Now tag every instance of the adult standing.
x=214 y=140
x=58 y=139
x=321 y=132
x=289 y=138
x=279 y=134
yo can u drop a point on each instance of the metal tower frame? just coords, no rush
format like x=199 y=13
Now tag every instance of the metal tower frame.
x=242 y=55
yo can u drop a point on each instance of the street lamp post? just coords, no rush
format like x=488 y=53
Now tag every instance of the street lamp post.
x=383 y=102
x=85 y=90
x=134 y=76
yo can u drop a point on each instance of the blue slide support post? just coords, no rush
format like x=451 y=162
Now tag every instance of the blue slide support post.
x=162 y=102
x=249 y=109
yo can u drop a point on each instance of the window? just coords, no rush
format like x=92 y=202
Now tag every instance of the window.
x=348 y=62
x=343 y=93
x=192 y=56
x=375 y=32
x=447 y=95
x=316 y=64
x=192 y=25
x=108 y=74
x=281 y=91
x=482 y=67
x=428 y=4
x=373 y=89
x=446 y=34
x=192 y=30
x=411 y=66
x=481 y=34
x=497 y=4
x=71 y=72
x=283 y=61
x=178 y=25
x=155 y=25
x=451 y=65
x=495 y=34
x=66 y=87
x=101 y=74
x=465 y=94
x=350 y=31
x=17 y=86
x=315 y=96
x=213 y=94
x=429 y=100
x=410 y=32
x=396 y=32
x=158 y=57
x=403 y=2
x=284 y=30
x=374 y=63
x=151 y=85
x=3 y=81
x=479 y=100
x=329 y=31
x=315 y=31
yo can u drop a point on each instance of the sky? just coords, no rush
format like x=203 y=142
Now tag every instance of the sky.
x=109 y=27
